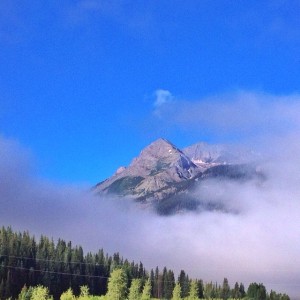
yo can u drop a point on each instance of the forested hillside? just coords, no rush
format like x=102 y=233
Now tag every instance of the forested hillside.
x=31 y=269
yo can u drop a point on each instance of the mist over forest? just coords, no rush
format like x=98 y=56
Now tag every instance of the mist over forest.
x=257 y=243
x=86 y=86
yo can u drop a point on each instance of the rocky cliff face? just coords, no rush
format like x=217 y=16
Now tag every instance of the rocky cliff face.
x=152 y=174
x=164 y=176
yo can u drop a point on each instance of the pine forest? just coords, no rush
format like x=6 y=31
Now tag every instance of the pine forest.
x=44 y=269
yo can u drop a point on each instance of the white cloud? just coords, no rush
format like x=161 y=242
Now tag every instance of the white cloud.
x=260 y=244
x=162 y=97
x=245 y=114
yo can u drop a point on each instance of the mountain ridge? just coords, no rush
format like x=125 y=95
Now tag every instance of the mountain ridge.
x=162 y=175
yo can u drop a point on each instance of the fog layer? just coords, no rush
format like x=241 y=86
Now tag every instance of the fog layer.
x=259 y=243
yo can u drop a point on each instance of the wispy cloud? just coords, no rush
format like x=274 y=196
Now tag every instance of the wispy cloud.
x=258 y=244
x=162 y=97
x=261 y=243
x=242 y=113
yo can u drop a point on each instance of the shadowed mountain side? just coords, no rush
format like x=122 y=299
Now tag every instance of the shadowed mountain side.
x=165 y=178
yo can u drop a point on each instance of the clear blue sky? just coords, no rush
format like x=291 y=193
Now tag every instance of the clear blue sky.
x=78 y=78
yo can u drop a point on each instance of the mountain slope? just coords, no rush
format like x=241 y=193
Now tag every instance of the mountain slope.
x=165 y=177
x=153 y=174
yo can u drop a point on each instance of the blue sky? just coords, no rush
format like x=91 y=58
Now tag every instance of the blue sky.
x=85 y=85
x=80 y=81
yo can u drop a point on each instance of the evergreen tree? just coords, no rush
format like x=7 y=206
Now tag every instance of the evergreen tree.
x=211 y=290
x=40 y=293
x=274 y=296
x=84 y=293
x=193 y=294
x=257 y=291
x=176 y=292
x=25 y=293
x=252 y=291
x=200 y=289
x=225 y=291
x=135 y=290
x=261 y=293
x=242 y=290
x=284 y=297
x=67 y=295
x=117 y=285
x=141 y=272
x=152 y=279
x=146 y=295
x=101 y=270
x=168 y=282
x=235 y=293
x=184 y=282
x=24 y=262
x=157 y=284
x=7 y=288
x=2 y=288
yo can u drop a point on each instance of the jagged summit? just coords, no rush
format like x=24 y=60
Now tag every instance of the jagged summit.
x=152 y=173
x=205 y=156
x=159 y=156
x=163 y=174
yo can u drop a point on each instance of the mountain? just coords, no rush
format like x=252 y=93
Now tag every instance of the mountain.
x=165 y=177
x=206 y=156
x=153 y=174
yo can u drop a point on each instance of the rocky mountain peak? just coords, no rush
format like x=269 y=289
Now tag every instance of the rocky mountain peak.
x=206 y=156
x=160 y=152
x=158 y=165
x=160 y=148
x=164 y=176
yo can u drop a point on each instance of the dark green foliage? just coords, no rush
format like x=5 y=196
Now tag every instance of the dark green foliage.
x=182 y=197
x=257 y=291
x=146 y=294
x=225 y=291
x=200 y=289
x=176 y=203
x=242 y=291
x=275 y=296
x=186 y=200
x=57 y=266
x=231 y=172
x=184 y=282
x=168 y=283
x=152 y=279
x=123 y=185
x=211 y=290
x=157 y=284
x=25 y=263
x=235 y=293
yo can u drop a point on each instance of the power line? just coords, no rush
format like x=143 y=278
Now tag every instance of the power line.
x=86 y=275
x=67 y=273
x=59 y=261
x=53 y=272
x=107 y=277
x=64 y=273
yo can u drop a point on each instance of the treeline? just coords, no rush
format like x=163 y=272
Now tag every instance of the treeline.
x=29 y=267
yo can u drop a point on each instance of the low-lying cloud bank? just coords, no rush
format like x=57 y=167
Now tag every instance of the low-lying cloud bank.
x=261 y=243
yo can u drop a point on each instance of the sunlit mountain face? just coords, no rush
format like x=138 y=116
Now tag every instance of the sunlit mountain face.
x=167 y=179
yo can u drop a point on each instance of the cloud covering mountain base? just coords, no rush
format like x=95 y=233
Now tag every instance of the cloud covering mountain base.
x=258 y=243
